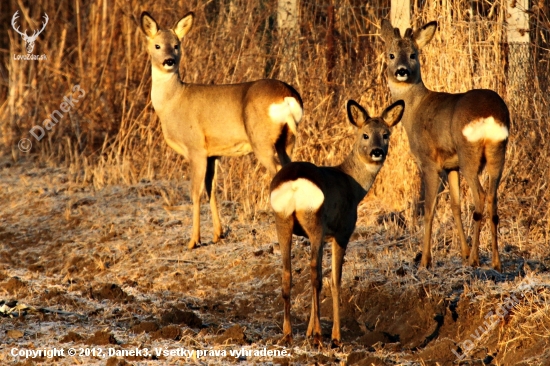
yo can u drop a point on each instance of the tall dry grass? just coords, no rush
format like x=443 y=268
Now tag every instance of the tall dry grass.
x=113 y=135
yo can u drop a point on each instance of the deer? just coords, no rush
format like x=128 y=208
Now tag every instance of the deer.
x=449 y=133
x=205 y=122
x=321 y=202
x=29 y=40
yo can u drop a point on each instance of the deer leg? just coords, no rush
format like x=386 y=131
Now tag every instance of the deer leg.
x=316 y=260
x=284 y=233
x=492 y=207
x=431 y=187
x=267 y=157
x=494 y=170
x=454 y=188
x=310 y=221
x=210 y=183
x=420 y=200
x=198 y=173
x=470 y=173
x=338 y=252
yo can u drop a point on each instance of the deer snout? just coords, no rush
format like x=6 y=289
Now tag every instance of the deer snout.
x=377 y=154
x=169 y=62
x=402 y=73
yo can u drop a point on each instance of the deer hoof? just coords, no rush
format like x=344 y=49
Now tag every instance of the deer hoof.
x=335 y=343
x=474 y=262
x=192 y=244
x=318 y=340
x=426 y=262
x=218 y=236
x=286 y=340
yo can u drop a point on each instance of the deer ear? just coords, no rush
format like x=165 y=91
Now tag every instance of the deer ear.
x=357 y=115
x=424 y=35
x=183 y=26
x=393 y=114
x=388 y=32
x=148 y=25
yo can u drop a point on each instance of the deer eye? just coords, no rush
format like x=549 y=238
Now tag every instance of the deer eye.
x=392 y=56
x=365 y=136
x=176 y=47
x=386 y=136
x=413 y=56
x=157 y=47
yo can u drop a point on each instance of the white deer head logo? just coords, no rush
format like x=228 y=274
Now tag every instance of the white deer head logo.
x=29 y=40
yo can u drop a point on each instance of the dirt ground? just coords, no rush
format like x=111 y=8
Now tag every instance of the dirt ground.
x=103 y=272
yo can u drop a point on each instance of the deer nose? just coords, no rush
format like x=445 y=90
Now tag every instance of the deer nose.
x=402 y=72
x=377 y=154
x=169 y=62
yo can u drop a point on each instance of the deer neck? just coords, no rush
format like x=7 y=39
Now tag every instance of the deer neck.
x=409 y=93
x=412 y=95
x=166 y=86
x=362 y=173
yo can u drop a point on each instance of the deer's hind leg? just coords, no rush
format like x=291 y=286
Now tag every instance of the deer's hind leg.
x=284 y=227
x=495 y=165
x=471 y=160
x=312 y=225
x=454 y=190
x=210 y=184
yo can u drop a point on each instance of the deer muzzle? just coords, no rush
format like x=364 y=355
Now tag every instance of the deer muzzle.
x=169 y=62
x=377 y=154
x=402 y=74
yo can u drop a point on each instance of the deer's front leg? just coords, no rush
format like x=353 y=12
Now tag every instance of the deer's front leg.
x=198 y=173
x=431 y=186
x=338 y=252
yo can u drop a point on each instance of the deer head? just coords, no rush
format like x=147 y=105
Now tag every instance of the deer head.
x=29 y=40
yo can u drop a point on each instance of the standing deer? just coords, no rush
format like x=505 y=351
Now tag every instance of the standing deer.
x=317 y=201
x=29 y=40
x=205 y=122
x=448 y=133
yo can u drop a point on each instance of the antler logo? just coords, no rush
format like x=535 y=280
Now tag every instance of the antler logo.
x=29 y=40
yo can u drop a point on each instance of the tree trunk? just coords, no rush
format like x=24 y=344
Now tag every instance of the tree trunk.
x=400 y=14
x=287 y=24
x=520 y=66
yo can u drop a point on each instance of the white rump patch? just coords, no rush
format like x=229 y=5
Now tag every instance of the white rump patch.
x=288 y=111
x=296 y=195
x=485 y=129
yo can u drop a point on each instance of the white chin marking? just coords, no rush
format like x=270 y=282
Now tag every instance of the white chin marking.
x=485 y=129
x=296 y=195
x=376 y=158
x=288 y=111
x=373 y=168
x=402 y=77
